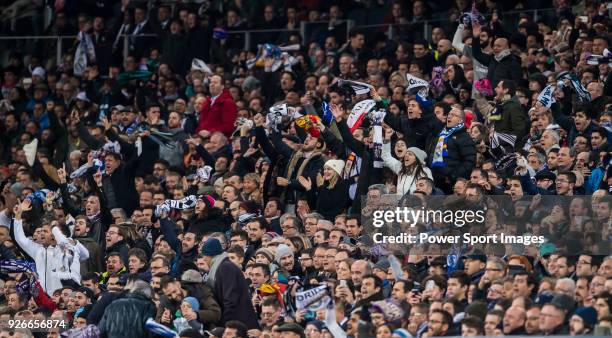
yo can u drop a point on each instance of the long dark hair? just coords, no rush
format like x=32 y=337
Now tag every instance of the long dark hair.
x=413 y=169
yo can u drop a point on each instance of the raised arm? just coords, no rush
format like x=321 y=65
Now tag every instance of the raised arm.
x=477 y=49
x=67 y=203
x=26 y=244
x=390 y=161
x=60 y=238
x=458 y=38
x=169 y=235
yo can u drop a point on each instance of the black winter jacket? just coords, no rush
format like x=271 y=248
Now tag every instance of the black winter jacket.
x=460 y=161
x=126 y=317
x=507 y=68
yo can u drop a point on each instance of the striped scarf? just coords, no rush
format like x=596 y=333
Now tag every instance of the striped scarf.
x=441 y=150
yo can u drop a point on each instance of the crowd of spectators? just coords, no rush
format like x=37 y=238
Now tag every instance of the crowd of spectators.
x=196 y=188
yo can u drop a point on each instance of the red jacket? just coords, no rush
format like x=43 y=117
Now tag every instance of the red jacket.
x=221 y=116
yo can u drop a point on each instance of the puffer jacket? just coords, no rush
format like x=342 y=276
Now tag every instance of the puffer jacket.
x=52 y=263
x=461 y=157
x=126 y=317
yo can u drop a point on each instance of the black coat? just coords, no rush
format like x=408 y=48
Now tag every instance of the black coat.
x=332 y=202
x=232 y=293
x=507 y=68
x=126 y=317
x=174 y=53
x=460 y=161
x=124 y=191
x=368 y=175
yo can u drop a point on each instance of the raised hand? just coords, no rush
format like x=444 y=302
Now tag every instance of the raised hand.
x=106 y=123
x=476 y=29
x=61 y=173
x=337 y=112
x=98 y=177
x=374 y=94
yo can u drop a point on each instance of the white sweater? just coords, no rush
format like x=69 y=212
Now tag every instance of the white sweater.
x=406 y=184
x=49 y=260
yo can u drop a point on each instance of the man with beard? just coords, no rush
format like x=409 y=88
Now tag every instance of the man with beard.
x=186 y=248
x=502 y=64
x=82 y=227
x=96 y=211
x=45 y=252
x=480 y=70
x=170 y=300
x=439 y=324
x=306 y=161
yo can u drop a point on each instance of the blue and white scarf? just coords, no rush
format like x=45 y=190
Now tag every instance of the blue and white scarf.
x=583 y=94
x=441 y=150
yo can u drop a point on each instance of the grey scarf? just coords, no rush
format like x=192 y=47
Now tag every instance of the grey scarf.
x=502 y=54
x=212 y=274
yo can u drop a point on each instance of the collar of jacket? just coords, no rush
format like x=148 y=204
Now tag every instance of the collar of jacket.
x=505 y=98
x=502 y=55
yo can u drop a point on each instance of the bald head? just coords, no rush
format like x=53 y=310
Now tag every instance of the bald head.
x=514 y=318
x=444 y=45
x=359 y=269
x=500 y=45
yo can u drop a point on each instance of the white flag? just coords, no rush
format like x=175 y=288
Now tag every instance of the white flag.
x=313 y=299
x=414 y=82
x=200 y=65
x=358 y=113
